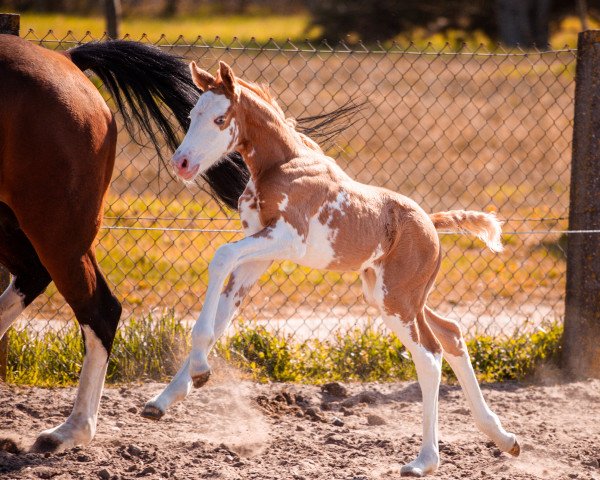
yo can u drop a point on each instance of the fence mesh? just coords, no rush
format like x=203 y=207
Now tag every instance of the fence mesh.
x=469 y=129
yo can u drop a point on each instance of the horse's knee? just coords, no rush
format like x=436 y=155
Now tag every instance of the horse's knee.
x=223 y=259
x=101 y=311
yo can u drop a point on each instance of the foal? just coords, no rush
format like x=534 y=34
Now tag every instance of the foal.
x=299 y=205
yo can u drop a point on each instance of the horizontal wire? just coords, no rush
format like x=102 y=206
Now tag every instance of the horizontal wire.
x=193 y=219
x=168 y=229
x=218 y=230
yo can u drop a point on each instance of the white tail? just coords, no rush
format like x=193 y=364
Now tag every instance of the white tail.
x=484 y=225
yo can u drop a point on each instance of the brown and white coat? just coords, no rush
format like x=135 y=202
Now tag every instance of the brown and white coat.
x=301 y=206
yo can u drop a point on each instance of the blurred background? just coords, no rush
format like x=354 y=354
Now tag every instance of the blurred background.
x=511 y=22
x=467 y=104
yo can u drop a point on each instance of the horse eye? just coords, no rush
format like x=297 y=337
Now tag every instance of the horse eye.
x=220 y=120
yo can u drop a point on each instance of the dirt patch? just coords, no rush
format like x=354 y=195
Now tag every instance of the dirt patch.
x=239 y=430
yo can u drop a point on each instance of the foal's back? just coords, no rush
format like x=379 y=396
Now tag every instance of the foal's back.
x=350 y=224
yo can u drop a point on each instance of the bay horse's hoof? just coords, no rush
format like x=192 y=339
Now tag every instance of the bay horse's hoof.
x=152 y=412
x=515 y=451
x=46 y=443
x=200 y=380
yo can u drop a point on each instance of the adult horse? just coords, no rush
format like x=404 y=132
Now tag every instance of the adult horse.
x=57 y=151
x=300 y=205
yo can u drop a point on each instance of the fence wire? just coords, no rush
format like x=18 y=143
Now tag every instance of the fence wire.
x=483 y=130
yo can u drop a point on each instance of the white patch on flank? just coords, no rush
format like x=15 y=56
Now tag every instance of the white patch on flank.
x=321 y=237
x=377 y=253
x=379 y=290
x=284 y=203
x=342 y=200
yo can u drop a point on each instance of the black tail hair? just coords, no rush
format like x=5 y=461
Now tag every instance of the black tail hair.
x=141 y=78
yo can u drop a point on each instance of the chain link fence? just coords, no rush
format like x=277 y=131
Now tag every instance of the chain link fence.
x=483 y=130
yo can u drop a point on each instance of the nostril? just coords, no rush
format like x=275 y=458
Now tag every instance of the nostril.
x=184 y=164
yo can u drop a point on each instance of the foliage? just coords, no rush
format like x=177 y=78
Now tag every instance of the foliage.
x=180 y=29
x=154 y=347
x=512 y=21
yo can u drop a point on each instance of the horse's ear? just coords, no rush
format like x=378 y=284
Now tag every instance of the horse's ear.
x=232 y=88
x=201 y=78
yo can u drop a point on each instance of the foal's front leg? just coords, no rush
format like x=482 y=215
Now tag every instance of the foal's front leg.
x=240 y=282
x=272 y=243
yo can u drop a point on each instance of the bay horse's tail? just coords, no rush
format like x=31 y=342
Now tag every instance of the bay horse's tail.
x=141 y=78
x=484 y=225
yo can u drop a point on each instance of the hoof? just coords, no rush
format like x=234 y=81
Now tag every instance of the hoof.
x=152 y=412
x=407 y=471
x=515 y=451
x=46 y=443
x=200 y=380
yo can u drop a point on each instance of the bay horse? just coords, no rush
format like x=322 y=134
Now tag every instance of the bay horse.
x=57 y=151
x=301 y=206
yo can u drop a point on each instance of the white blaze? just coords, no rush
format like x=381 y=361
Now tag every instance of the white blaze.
x=205 y=143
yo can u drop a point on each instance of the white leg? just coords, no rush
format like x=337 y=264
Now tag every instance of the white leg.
x=268 y=245
x=485 y=419
x=429 y=369
x=241 y=281
x=11 y=306
x=80 y=427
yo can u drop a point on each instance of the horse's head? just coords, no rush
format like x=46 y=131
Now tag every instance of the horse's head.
x=213 y=131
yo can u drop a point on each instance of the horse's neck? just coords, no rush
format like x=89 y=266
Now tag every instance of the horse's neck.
x=266 y=138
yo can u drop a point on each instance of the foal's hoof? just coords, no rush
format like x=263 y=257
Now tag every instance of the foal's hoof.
x=515 y=451
x=46 y=443
x=200 y=380
x=408 y=471
x=152 y=412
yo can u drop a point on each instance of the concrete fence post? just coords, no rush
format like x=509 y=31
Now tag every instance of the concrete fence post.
x=10 y=23
x=581 y=340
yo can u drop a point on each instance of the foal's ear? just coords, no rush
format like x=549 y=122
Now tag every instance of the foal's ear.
x=201 y=78
x=232 y=88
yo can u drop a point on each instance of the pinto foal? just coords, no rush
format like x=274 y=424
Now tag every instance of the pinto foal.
x=301 y=206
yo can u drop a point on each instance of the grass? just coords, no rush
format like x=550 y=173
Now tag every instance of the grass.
x=153 y=347
x=259 y=26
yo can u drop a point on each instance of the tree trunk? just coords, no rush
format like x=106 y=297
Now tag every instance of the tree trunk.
x=113 y=17
x=523 y=22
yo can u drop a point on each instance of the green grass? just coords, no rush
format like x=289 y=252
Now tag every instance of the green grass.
x=153 y=348
x=261 y=27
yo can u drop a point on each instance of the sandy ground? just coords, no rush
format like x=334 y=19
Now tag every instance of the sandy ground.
x=234 y=429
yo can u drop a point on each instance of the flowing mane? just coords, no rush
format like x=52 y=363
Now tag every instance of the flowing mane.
x=264 y=92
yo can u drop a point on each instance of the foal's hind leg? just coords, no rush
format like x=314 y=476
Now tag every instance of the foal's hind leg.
x=449 y=334
x=240 y=282
x=427 y=356
x=30 y=278
x=400 y=301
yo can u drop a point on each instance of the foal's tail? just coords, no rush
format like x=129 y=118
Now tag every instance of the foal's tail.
x=485 y=225
x=142 y=79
